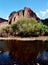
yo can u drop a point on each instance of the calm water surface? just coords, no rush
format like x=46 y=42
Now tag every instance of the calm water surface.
x=41 y=57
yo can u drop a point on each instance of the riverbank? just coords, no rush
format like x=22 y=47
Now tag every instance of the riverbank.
x=40 y=38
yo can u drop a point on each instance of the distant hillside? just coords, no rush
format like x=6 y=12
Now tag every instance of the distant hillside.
x=3 y=22
x=45 y=21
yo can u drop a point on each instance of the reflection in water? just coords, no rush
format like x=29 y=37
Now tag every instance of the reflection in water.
x=38 y=53
x=3 y=46
x=42 y=58
x=5 y=59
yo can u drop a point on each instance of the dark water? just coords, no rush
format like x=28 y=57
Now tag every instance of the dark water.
x=5 y=59
x=41 y=58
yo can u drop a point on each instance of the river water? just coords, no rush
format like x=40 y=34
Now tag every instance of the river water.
x=41 y=56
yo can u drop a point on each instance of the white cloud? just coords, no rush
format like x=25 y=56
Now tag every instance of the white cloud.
x=47 y=10
x=37 y=15
x=43 y=13
x=6 y=18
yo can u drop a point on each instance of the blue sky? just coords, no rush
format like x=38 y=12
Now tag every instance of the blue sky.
x=40 y=7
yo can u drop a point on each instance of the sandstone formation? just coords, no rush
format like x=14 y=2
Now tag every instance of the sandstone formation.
x=27 y=12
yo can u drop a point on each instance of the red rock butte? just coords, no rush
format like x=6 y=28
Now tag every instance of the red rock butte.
x=27 y=12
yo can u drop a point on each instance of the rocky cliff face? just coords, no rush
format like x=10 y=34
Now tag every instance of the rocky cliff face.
x=27 y=12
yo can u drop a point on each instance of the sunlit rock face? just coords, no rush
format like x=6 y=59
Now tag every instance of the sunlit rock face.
x=27 y=12
x=21 y=13
x=13 y=17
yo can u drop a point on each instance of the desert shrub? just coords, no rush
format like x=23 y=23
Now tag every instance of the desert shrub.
x=29 y=27
x=25 y=27
x=6 y=32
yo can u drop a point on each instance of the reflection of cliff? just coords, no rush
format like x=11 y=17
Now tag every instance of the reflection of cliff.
x=43 y=57
x=3 y=46
x=25 y=51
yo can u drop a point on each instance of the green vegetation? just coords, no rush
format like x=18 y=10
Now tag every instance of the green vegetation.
x=25 y=27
